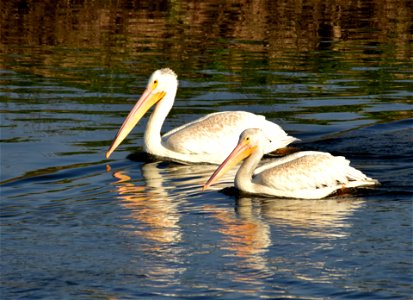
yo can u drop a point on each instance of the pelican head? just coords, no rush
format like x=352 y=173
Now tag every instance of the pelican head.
x=162 y=84
x=251 y=140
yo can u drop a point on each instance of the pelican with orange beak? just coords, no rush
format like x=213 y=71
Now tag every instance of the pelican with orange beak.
x=304 y=175
x=206 y=140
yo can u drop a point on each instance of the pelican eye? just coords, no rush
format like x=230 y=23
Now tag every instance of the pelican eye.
x=155 y=81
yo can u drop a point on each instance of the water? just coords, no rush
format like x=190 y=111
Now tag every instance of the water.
x=75 y=225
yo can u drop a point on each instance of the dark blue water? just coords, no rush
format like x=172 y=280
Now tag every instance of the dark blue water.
x=77 y=226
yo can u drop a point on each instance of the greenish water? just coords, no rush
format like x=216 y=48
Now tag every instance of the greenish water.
x=75 y=225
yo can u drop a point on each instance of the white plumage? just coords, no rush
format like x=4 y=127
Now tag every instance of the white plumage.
x=307 y=174
x=208 y=140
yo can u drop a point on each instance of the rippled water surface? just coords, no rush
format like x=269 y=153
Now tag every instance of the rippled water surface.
x=76 y=225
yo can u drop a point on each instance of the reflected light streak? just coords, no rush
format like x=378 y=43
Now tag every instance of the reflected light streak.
x=247 y=238
x=151 y=207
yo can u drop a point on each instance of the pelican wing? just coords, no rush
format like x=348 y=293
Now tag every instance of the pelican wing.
x=285 y=159
x=312 y=170
x=218 y=133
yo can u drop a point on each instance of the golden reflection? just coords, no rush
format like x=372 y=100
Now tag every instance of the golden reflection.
x=156 y=203
x=157 y=218
x=246 y=237
x=149 y=205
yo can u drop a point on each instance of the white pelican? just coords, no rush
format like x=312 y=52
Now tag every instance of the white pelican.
x=306 y=174
x=209 y=139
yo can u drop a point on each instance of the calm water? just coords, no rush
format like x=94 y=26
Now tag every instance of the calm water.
x=77 y=226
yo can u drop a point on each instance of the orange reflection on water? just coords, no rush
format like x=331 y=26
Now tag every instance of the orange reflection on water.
x=157 y=221
x=245 y=230
x=150 y=207
x=247 y=238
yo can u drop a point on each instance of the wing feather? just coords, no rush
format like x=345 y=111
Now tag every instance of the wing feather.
x=309 y=170
x=218 y=133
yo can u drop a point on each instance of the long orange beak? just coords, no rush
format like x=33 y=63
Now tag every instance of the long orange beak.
x=240 y=152
x=146 y=101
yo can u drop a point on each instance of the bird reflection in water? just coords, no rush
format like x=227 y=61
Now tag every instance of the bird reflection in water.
x=156 y=204
x=157 y=219
x=150 y=206
x=250 y=231
x=320 y=222
x=246 y=230
x=323 y=218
